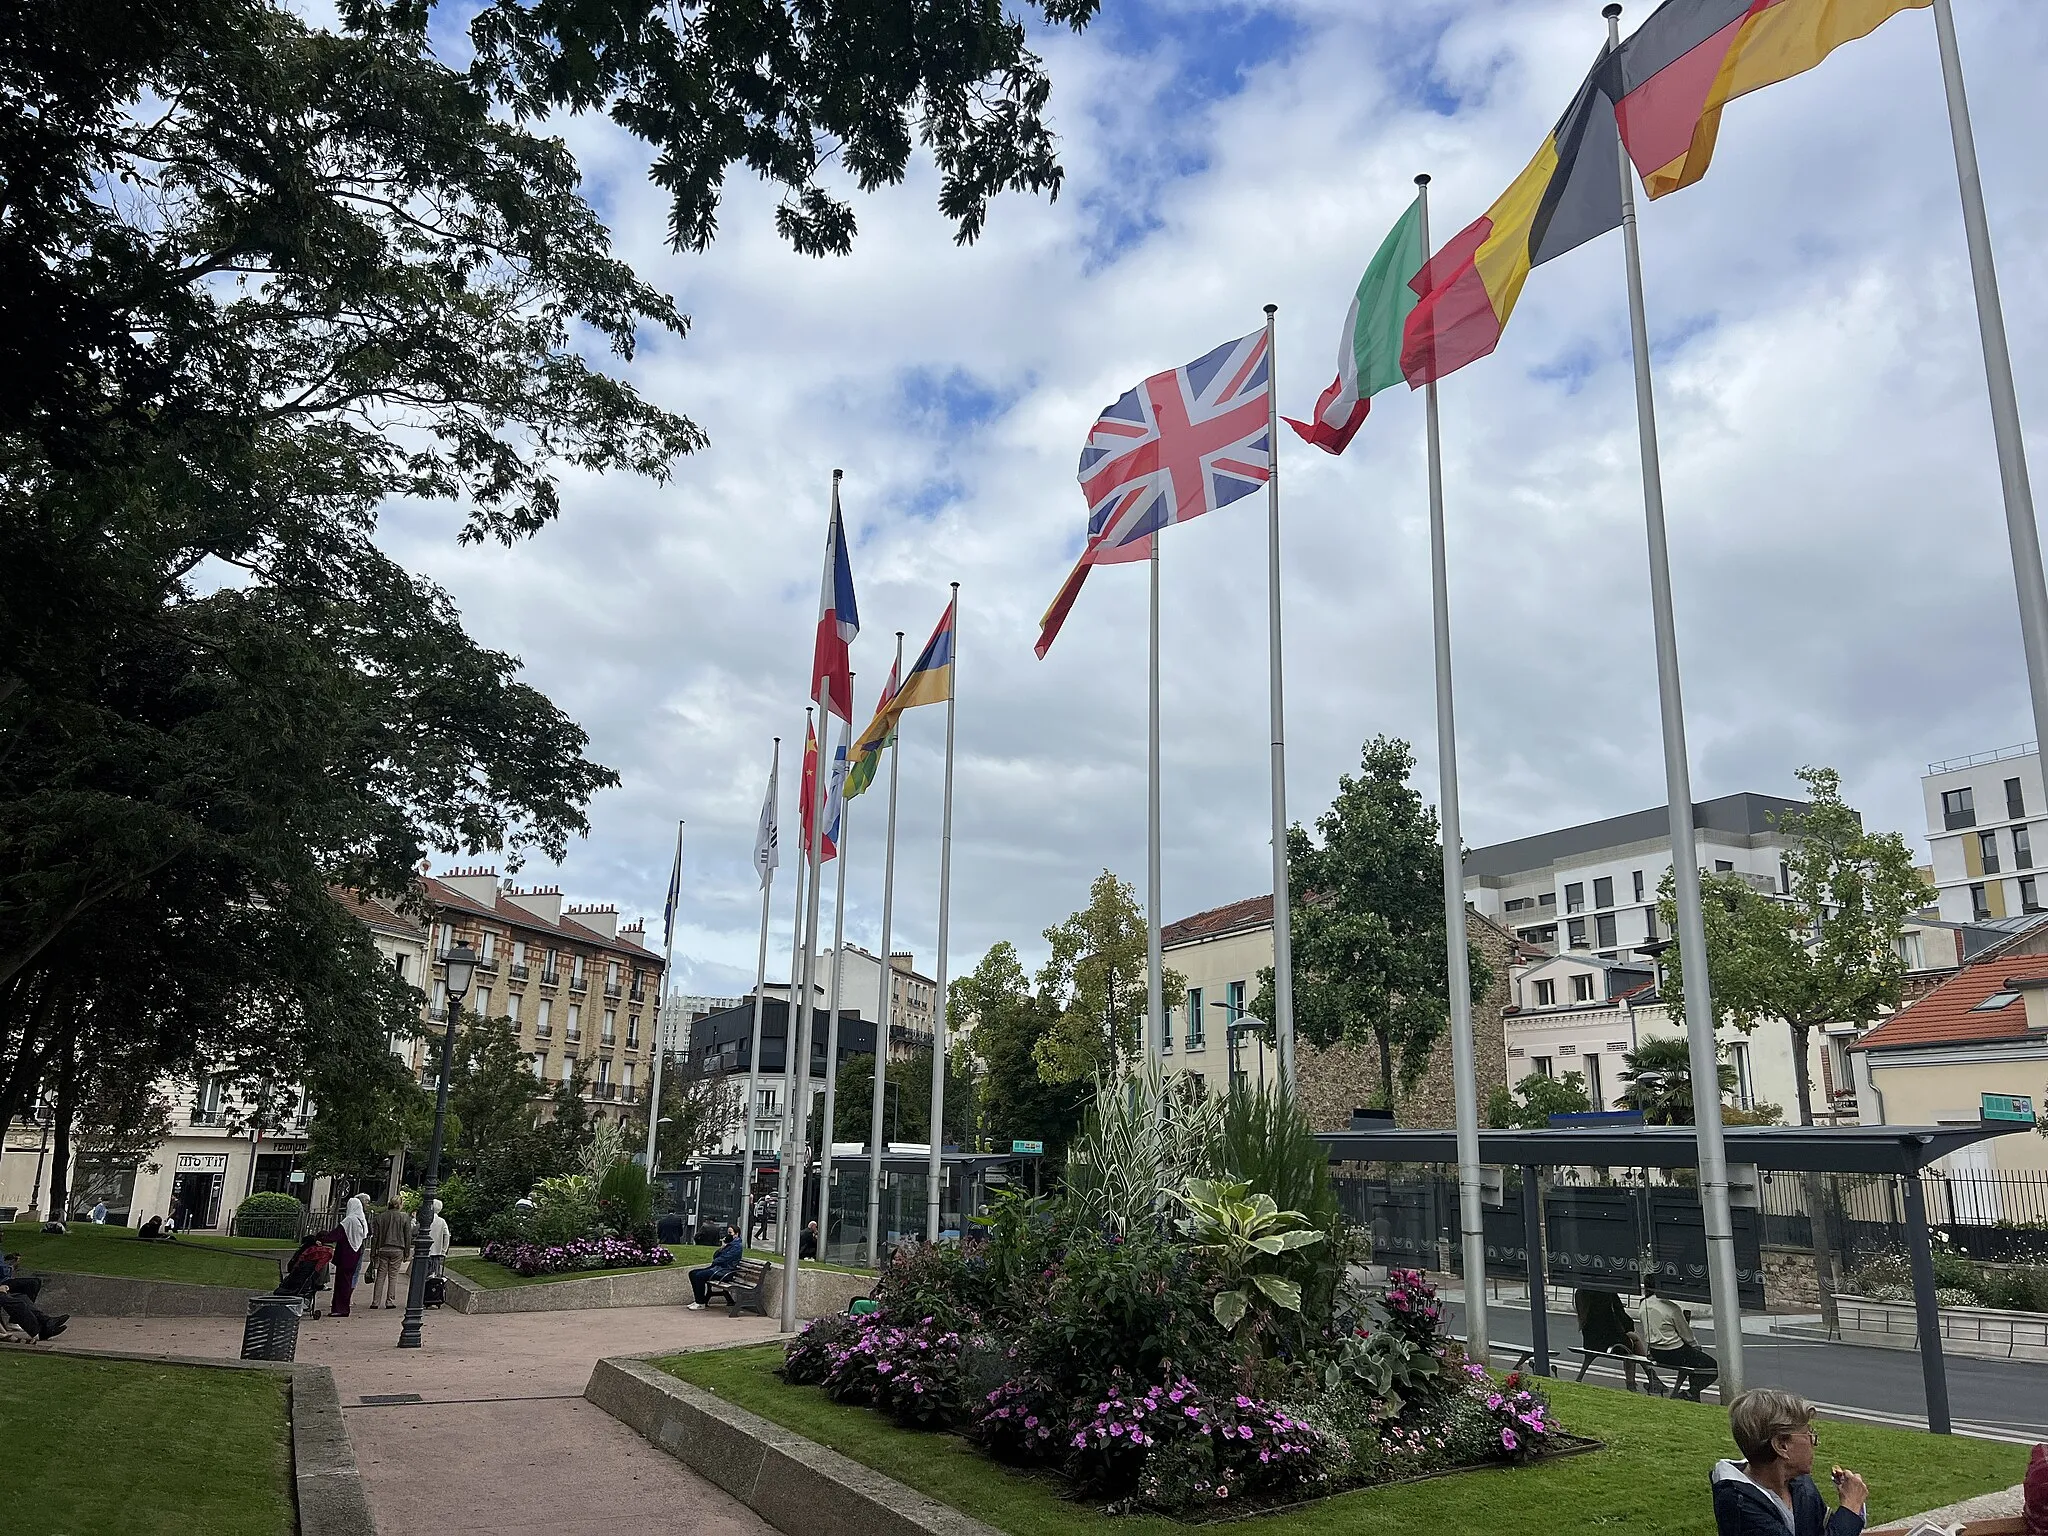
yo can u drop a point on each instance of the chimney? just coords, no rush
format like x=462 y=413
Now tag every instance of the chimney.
x=635 y=933
x=543 y=901
x=603 y=921
x=479 y=885
x=902 y=960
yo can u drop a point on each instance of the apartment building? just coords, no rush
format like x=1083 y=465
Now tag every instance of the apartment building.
x=1982 y=813
x=1593 y=888
x=574 y=985
x=912 y=997
x=1210 y=1033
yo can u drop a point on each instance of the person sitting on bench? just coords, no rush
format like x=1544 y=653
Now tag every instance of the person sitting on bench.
x=27 y=1316
x=1667 y=1329
x=1771 y=1492
x=722 y=1267
x=1606 y=1328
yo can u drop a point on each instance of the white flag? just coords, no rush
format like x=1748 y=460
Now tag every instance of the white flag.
x=767 y=846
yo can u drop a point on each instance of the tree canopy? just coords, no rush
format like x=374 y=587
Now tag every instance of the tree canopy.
x=995 y=1015
x=1096 y=979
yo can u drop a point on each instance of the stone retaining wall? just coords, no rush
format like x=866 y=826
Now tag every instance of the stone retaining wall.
x=118 y=1296
x=795 y=1484
x=818 y=1291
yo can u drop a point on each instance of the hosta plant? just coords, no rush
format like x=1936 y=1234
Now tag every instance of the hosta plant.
x=1243 y=1235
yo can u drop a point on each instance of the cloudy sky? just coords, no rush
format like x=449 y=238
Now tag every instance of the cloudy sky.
x=1844 y=594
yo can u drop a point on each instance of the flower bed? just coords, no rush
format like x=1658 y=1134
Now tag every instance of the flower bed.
x=1174 y=1340
x=583 y=1253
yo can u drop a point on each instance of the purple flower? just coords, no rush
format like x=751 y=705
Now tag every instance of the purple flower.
x=1508 y=1440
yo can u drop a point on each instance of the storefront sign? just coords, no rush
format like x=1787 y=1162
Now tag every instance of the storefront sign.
x=202 y=1162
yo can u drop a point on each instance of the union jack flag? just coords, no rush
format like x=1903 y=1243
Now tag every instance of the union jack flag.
x=1182 y=443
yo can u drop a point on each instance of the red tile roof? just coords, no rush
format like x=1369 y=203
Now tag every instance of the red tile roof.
x=513 y=915
x=1252 y=912
x=378 y=913
x=1948 y=1015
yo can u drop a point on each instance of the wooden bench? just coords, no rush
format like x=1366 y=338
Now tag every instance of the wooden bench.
x=1629 y=1362
x=742 y=1288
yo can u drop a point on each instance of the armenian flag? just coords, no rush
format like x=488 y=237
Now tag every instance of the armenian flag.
x=930 y=682
x=1568 y=194
x=1673 y=76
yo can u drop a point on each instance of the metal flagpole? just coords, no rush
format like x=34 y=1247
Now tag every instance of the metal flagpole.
x=797 y=1113
x=796 y=963
x=668 y=964
x=935 y=1169
x=1457 y=953
x=2021 y=530
x=832 y=1019
x=1155 y=964
x=1692 y=933
x=754 y=1045
x=888 y=987
x=1283 y=927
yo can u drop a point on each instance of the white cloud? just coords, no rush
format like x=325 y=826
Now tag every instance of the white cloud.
x=1842 y=585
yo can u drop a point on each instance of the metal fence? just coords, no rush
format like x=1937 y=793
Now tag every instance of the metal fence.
x=1992 y=1217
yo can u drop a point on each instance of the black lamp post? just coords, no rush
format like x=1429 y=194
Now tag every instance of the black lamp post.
x=461 y=967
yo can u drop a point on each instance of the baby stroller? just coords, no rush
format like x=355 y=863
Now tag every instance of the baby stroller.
x=306 y=1275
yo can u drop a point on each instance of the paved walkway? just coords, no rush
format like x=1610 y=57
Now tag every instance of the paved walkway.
x=502 y=1442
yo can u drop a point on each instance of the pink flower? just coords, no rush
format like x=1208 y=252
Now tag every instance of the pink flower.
x=1508 y=1440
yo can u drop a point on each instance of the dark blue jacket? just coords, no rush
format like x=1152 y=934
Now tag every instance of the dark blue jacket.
x=1743 y=1509
x=727 y=1259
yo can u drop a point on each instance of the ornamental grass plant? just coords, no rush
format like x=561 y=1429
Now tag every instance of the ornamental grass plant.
x=1176 y=1349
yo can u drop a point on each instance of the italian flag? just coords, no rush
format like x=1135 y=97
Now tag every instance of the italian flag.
x=1369 y=352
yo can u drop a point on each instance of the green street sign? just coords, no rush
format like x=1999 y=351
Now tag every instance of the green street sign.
x=2008 y=1108
x=1037 y=1148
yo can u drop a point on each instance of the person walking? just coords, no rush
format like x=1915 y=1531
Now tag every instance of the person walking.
x=437 y=1242
x=391 y=1237
x=348 y=1241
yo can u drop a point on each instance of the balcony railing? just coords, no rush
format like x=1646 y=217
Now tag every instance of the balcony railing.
x=611 y=992
x=487 y=963
x=573 y=1036
x=632 y=1039
x=543 y=1031
x=438 y=1015
x=637 y=995
x=606 y=1090
x=516 y=972
x=578 y=987
x=550 y=978
x=629 y=1095
x=607 y=1040
x=209 y=1117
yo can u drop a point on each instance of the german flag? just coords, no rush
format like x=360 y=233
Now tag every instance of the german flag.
x=1692 y=57
x=1569 y=194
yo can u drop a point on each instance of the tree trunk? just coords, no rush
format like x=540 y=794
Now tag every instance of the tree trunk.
x=1814 y=1188
x=1386 y=1046
x=60 y=1149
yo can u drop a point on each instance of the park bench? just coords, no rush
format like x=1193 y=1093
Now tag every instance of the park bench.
x=742 y=1288
x=1629 y=1363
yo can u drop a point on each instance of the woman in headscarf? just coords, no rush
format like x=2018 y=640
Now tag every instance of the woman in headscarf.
x=437 y=1242
x=348 y=1240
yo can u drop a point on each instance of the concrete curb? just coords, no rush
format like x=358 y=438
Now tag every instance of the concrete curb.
x=118 y=1296
x=796 y=1485
x=818 y=1292
x=327 y=1486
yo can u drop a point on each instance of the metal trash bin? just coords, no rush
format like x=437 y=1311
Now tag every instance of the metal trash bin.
x=272 y=1331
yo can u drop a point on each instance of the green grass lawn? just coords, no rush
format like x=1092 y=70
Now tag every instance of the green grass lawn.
x=496 y=1277
x=130 y=1446
x=1650 y=1477
x=88 y=1250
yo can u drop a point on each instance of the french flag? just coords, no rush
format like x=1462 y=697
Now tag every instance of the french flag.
x=838 y=623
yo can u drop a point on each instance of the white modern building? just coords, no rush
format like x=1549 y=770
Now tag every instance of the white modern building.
x=1981 y=815
x=1593 y=888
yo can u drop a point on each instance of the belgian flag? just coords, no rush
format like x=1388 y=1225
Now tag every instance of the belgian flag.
x=1568 y=194
x=1671 y=79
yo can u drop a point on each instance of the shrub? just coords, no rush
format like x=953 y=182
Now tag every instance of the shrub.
x=911 y=1372
x=579 y=1254
x=1021 y=1420
x=269 y=1215
x=625 y=1200
x=1174 y=1447
x=564 y=1210
x=810 y=1356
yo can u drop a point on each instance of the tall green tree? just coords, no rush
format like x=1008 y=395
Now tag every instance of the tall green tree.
x=492 y=1087
x=1827 y=953
x=1529 y=1104
x=997 y=1016
x=1096 y=979
x=1657 y=1078
x=1367 y=912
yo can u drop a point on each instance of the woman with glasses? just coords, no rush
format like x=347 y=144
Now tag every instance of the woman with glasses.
x=1771 y=1491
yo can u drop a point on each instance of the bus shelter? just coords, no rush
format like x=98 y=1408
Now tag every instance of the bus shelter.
x=1899 y=1150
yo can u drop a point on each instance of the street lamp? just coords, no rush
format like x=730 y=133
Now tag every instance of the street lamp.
x=461 y=967
x=1240 y=1025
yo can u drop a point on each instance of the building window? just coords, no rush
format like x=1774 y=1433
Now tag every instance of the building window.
x=568 y=1069
x=2022 y=849
x=2030 y=900
x=1195 y=1031
x=1592 y=1061
x=490 y=947
x=1520 y=904
x=1234 y=996
x=1542 y=1066
x=513 y=1003
x=483 y=1003
x=1980 y=904
x=440 y=999
x=519 y=952
x=1723 y=867
x=1575 y=932
x=1582 y=989
x=2015 y=800
x=1987 y=847
x=540 y=1019
x=604 y=1072
x=575 y=1021
x=611 y=1025
x=626 y=1083
x=1575 y=897
x=1604 y=931
x=1649 y=925
x=633 y=1031
x=1745 y=1086
x=1958 y=808
x=1603 y=891
x=576 y=971
x=398 y=966
x=1546 y=995
x=1547 y=899
x=1201 y=1083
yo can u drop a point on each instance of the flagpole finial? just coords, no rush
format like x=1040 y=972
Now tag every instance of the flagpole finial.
x=840 y=474
x=899 y=634
x=1272 y=309
x=1610 y=11
x=956 y=586
x=1422 y=180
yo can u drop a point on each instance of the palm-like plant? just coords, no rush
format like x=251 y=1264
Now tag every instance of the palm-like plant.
x=1658 y=1073
x=1242 y=1234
